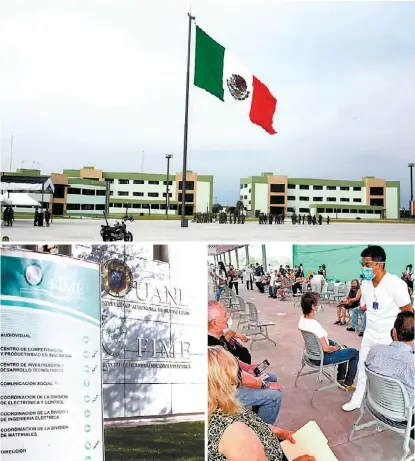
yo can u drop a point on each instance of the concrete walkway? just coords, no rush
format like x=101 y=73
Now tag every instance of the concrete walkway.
x=369 y=444
x=88 y=230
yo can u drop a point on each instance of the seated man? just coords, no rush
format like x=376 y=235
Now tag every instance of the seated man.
x=272 y=289
x=397 y=360
x=351 y=301
x=358 y=311
x=265 y=395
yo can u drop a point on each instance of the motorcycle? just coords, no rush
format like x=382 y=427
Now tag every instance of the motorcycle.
x=116 y=232
x=128 y=218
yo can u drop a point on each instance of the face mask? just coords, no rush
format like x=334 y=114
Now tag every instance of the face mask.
x=367 y=273
x=318 y=311
x=229 y=322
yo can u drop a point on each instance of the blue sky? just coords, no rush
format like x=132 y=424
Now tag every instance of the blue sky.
x=99 y=82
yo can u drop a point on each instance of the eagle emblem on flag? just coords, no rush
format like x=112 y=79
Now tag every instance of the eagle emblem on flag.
x=237 y=87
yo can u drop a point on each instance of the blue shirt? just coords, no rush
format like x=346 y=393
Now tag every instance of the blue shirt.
x=395 y=361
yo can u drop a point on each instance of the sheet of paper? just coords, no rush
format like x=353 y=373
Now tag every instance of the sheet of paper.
x=311 y=441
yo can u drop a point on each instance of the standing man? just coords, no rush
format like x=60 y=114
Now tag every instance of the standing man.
x=249 y=277
x=383 y=296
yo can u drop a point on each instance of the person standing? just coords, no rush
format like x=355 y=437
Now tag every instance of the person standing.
x=36 y=218
x=234 y=279
x=249 y=277
x=383 y=296
x=222 y=279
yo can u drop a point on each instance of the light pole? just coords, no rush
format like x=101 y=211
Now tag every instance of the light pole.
x=411 y=173
x=168 y=157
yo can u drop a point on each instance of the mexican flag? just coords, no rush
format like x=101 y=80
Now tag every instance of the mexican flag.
x=217 y=72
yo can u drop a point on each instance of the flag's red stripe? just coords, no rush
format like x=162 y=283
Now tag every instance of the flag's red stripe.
x=262 y=107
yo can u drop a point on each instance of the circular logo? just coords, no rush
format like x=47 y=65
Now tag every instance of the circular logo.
x=237 y=87
x=117 y=278
x=33 y=274
x=114 y=332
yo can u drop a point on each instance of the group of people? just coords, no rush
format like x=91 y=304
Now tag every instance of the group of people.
x=244 y=405
x=263 y=218
x=221 y=218
x=42 y=216
x=8 y=215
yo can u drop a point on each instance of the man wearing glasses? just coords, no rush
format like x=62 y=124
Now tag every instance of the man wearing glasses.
x=383 y=296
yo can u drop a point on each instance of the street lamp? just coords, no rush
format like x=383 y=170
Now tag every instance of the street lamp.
x=411 y=173
x=168 y=157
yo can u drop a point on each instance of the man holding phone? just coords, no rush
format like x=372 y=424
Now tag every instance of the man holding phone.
x=260 y=392
x=383 y=296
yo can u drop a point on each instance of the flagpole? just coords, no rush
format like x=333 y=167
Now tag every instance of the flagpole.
x=186 y=123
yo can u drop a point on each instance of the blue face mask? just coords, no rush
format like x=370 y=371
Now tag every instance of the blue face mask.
x=367 y=273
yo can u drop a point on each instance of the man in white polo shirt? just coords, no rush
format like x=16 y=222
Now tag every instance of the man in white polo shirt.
x=383 y=296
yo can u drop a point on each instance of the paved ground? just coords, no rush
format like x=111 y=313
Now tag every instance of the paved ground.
x=87 y=230
x=369 y=444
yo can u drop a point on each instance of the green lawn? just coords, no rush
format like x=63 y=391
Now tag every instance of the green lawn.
x=167 y=442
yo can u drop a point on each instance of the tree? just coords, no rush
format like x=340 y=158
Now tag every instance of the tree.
x=217 y=208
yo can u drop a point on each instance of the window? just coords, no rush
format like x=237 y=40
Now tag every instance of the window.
x=320 y=210
x=353 y=211
x=136 y=205
x=117 y=205
x=242 y=186
x=277 y=200
x=155 y=206
x=100 y=192
x=138 y=181
x=329 y=210
x=249 y=202
x=111 y=192
x=291 y=197
x=344 y=188
x=378 y=211
x=164 y=194
x=122 y=193
x=187 y=197
x=88 y=191
x=152 y=194
x=290 y=210
x=356 y=189
x=304 y=199
x=362 y=211
x=146 y=205
x=138 y=194
x=376 y=191
x=245 y=197
x=99 y=207
x=74 y=190
x=344 y=199
x=304 y=210
x=241 y=197
x=369 y=211
x=173 y=206
x=73 y=206
x=357 y=200
x=277 y=187
x=317 y=199
x=291 y=186
x=331 y=187
x=154 y=183
x=346 y=211
x=111 y=181
x=304 y=187
x=190 y=185
x=376 y=202
x=331 y=199
x=123 y=181
x=249 y=190
x=59 y=191
x=245 y=186
x=317 y=187
x=170 y=183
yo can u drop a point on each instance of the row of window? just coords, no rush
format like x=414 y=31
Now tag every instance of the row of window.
x=334 y=210
x=123 y=193
x=279 y=200
x=281 y=188
x=321 y=199
x=79 y=191
x=144 y=206
x=84 y=206
x=190 y=185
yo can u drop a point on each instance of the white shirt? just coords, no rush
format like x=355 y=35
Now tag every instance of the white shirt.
x=312 y=326
x=317 y=279
x=391 y=294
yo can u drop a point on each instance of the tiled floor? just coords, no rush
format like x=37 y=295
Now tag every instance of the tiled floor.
x=285 y=359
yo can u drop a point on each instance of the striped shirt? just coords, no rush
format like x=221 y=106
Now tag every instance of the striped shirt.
x=395 y=361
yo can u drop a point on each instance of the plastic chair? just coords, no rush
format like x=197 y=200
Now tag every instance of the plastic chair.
x=387 y=401
x=341 y=292
x=257 y=327
x=329 y=292
x=313 y=352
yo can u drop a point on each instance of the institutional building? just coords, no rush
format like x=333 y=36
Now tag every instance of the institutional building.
x=90 y=191
x=369 y=198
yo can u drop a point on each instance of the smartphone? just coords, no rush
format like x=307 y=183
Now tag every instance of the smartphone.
x=261 y=367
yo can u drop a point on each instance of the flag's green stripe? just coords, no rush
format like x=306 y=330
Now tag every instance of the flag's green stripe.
x=209 y=64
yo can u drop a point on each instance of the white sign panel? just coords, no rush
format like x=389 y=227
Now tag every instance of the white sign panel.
x=51 y=372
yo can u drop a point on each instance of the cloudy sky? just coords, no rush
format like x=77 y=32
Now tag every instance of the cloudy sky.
x=99 y=82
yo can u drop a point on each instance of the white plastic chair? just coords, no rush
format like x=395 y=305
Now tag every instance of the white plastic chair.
x=387 y=401
x=257 y=327
x=313 y=351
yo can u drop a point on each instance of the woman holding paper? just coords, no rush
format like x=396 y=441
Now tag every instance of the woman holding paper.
x=236 y=433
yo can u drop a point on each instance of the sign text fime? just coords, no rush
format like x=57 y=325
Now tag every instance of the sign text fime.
x=159 y=348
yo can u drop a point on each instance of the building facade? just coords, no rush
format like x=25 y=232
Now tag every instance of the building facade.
x=369 y=198
x=90 y=191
